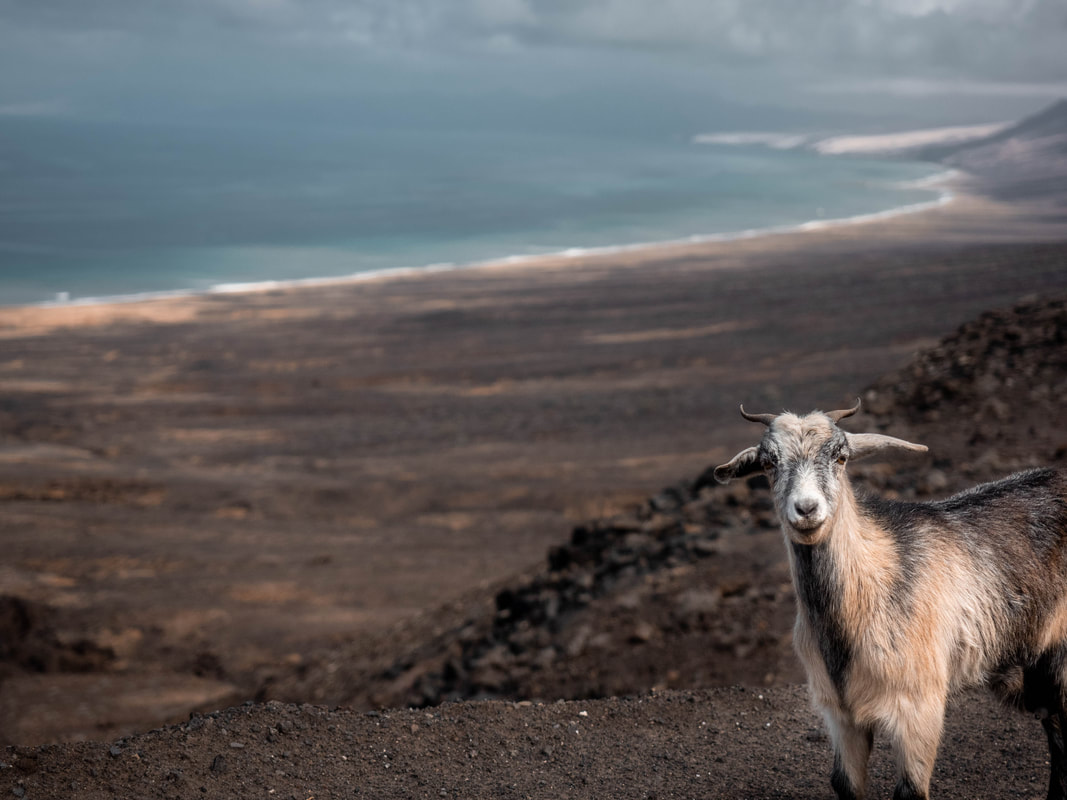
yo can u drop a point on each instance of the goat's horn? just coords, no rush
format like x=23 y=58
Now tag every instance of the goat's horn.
x=837 y=416
x=766 y=419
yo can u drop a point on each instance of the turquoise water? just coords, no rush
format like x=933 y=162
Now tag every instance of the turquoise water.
x=96 y=210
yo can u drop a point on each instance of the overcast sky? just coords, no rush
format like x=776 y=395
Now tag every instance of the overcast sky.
x=689 y=65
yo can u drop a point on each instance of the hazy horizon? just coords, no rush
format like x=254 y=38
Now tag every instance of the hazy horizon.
x=680 y=67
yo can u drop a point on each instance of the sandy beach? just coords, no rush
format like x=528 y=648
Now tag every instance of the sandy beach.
x=196 y=486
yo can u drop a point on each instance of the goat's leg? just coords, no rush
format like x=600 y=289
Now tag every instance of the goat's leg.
x=1043 y=694
x=915 y=733
x=1055 y=724
x=1045 y=686
x=852 y=749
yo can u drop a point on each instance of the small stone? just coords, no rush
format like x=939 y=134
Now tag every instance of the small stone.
x=219 y=765
x=114 y=751
x=706 y=547
x=642 y=632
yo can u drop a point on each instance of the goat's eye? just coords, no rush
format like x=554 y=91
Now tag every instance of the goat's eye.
x=768 y=462
x=842 y=458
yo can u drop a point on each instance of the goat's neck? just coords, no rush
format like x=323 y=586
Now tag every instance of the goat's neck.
x=861 y=549
x=855 y=565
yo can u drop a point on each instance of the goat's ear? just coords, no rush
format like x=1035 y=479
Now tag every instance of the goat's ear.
x=861 y=445
x=744 y=463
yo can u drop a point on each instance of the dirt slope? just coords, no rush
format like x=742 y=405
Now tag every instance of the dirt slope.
x=724 y=743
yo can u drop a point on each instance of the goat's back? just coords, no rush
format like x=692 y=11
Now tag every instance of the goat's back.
x=990 y=563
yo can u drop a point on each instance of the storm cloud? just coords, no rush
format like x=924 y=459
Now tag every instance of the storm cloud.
x=803 y=53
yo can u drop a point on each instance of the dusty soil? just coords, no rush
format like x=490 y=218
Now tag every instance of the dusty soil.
x=346 y=496
x=723 y=743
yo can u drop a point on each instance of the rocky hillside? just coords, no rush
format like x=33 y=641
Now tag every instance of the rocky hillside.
x=691 y=589
x=688 y=590
x=988 y=399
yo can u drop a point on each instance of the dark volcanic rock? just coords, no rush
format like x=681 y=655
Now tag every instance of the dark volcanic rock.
x=603 y=616
x=29 y=641
x=986 y=400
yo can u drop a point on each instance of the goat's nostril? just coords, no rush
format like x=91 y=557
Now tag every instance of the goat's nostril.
x=805 y=506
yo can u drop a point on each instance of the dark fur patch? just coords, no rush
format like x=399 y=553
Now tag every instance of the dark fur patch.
x=902 y=520
x=840 y=782
x=835 y=446
x=1054 y=732
x=1028 y=506
x=984 y=495
x=984 y=503
x=820 y=601
x=841 y=785
x=1041 y=686
x=907 y=790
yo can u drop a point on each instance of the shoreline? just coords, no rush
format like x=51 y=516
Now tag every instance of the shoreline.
x=942 y=183
x=963 y=214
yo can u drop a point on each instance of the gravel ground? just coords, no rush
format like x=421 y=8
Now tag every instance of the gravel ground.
x=723 y=743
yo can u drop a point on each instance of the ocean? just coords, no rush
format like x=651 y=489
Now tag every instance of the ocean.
x=106 y=210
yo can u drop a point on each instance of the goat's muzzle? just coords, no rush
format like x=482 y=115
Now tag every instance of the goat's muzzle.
x=806 y=536
x=805 y=516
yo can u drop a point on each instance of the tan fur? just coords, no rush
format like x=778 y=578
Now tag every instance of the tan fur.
x=1054 y=629
x=823 y=692
x=852 y=744
x=867 y=554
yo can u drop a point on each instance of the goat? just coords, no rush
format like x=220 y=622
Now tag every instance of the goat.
x=901 y=604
